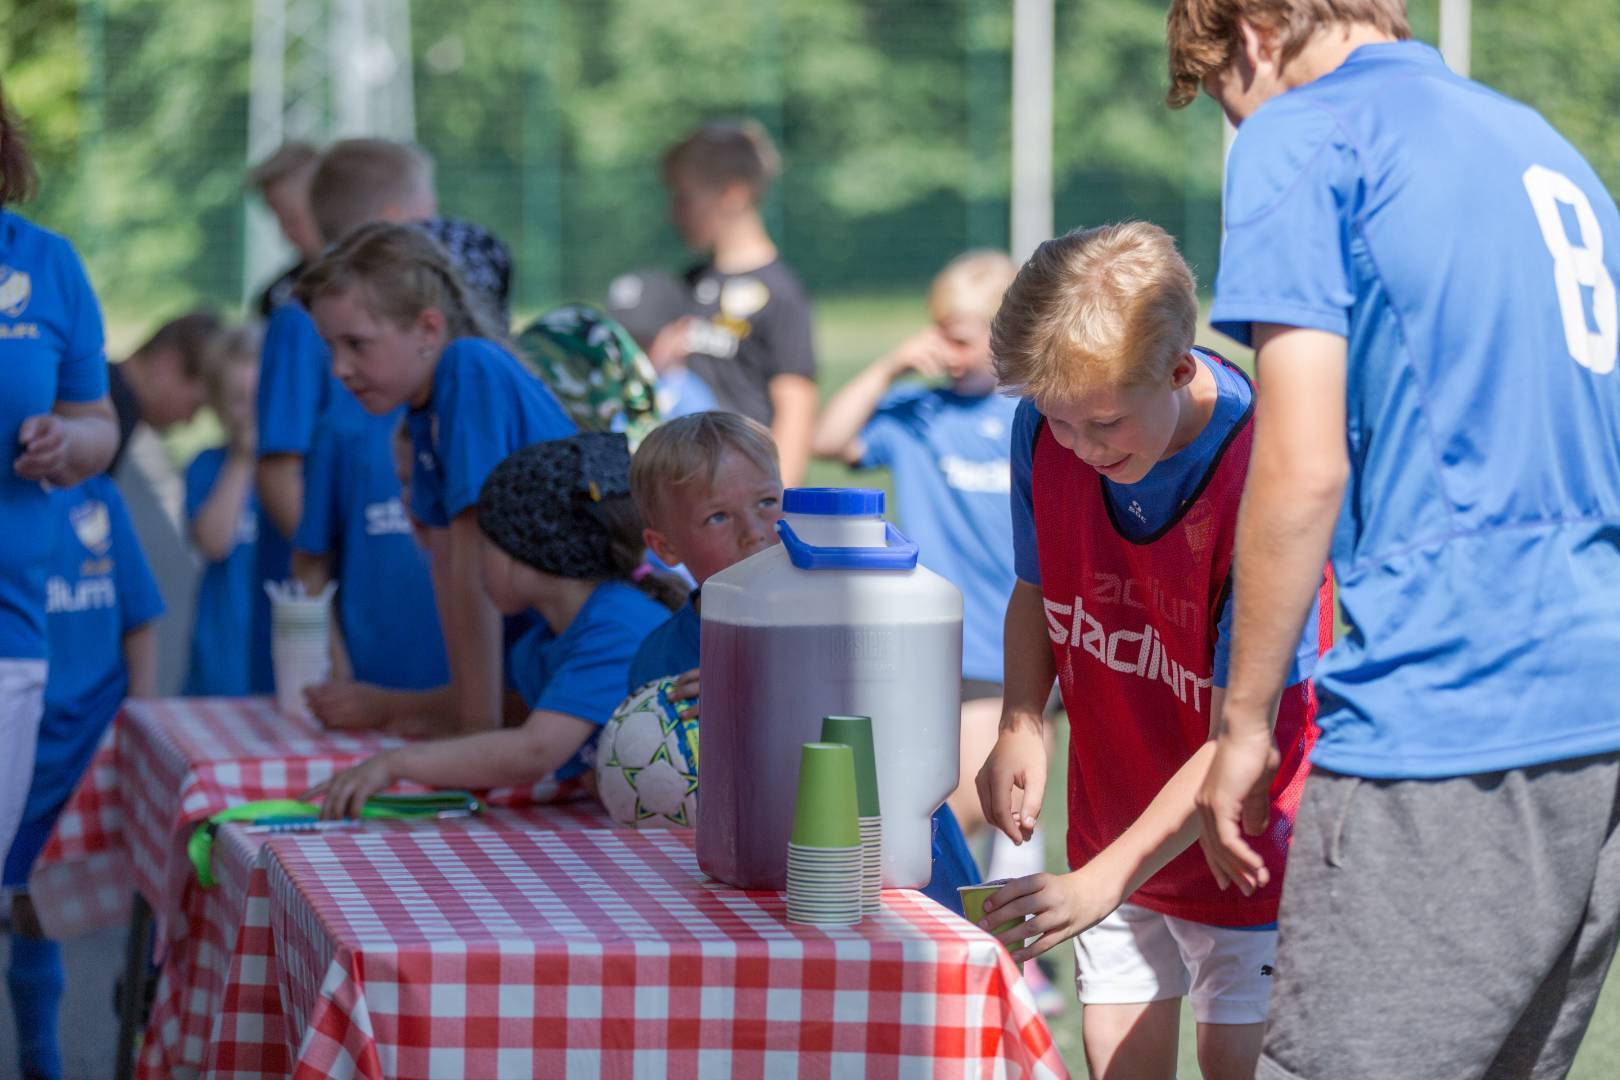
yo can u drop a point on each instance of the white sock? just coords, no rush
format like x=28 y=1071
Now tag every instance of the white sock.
x=1009 y=860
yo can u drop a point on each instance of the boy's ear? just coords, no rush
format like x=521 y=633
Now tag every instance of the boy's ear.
x=661 y=547
x=1259 y=48
x=1182 y=372
x=737 y=197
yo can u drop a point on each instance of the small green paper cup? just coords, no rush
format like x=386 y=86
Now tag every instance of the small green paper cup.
x=824 y=813
x=855 y=732
x=973 y=898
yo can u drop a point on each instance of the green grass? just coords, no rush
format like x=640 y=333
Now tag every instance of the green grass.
x=851 y=332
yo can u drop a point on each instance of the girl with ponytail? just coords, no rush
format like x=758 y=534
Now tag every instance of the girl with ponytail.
x=560 y=538
x=403 y=329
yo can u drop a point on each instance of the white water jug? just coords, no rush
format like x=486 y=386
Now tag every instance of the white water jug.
x=838 y=619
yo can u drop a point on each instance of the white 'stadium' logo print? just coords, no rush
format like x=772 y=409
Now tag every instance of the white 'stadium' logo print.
x=1130 y=652
x=387 y=519
x=92 y=525
x=15 y=289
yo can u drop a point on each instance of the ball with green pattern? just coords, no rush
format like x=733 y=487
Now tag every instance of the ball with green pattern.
x=647 y=760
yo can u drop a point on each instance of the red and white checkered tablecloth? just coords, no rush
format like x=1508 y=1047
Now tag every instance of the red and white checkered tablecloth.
x=498 y=953
x=166 y=765
x=238 y=980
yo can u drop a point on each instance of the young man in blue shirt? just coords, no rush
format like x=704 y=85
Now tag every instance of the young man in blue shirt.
x=1427 y=270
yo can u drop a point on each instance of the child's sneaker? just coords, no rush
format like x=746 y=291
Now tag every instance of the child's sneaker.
x=1048 y=999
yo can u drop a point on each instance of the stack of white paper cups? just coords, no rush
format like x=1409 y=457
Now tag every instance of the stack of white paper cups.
x=300 y=643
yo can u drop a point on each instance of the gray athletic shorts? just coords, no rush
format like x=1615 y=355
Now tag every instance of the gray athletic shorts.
x=1446 y=928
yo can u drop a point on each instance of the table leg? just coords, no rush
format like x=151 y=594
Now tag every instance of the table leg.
x=134 y=988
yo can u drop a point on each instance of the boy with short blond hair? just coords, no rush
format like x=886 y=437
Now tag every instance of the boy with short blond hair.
x=1427 y=271
x=749 y=337
x=1129 y=454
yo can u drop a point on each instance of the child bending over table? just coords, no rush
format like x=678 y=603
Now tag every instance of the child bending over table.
x=101 y=603
x=708 y=487
x=403 y=328
x=559 y=535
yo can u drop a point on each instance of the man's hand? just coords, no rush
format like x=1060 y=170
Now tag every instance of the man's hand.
x=345 y=795
x=1234 y=800
x=1012 y=781
x=44 y=441
x=1060 y=906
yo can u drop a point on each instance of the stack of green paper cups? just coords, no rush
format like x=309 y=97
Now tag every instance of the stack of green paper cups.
x=855 y=732
x=824 y=851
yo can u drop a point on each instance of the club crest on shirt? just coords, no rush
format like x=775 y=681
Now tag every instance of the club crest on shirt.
x=743 y=296
x=16 y=288
x=92 y=525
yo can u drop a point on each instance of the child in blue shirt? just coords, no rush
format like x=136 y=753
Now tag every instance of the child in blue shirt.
x=101 y=602
x=222 y=517
x=708 y=487
x=403 y=330
x=559 y=536
x=56 y=427
x=355 y=527
x=947 y=447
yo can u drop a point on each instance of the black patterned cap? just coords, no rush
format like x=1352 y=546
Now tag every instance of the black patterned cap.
x=480 y=258
x=538 y=504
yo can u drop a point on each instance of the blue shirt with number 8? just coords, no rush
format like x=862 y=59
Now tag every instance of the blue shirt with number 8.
x=1469 y=255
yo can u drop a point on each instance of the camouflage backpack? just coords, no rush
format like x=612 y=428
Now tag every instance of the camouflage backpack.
x=595 y=368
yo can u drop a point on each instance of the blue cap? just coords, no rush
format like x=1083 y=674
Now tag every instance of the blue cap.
x=835 y=502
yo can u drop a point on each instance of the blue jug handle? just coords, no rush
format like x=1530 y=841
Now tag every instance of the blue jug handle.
x=899 y=554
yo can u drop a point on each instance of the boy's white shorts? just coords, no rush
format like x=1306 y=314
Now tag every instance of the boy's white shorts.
x=1136 y=956
x=22 y=704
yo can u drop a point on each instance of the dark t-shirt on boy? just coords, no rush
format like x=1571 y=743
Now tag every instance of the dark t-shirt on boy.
x=751 y=328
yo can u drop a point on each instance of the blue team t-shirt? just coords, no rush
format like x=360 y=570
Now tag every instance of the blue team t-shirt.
x=295 y=381
x=675 y=648
x=99 y=588
x=581 y=672
x=295 y=388
x=353 y=513
x=51 y=349
x=1448 y=233
x=948 y=453
x=1143 y=508
x=673 y=643
x=485 y=406
x=221 y=628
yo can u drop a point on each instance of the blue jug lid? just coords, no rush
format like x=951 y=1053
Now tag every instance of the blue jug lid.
x=836 y=502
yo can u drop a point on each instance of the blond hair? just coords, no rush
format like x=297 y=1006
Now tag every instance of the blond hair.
x=1202 y=34
x=691 y=447
x=972 y=285
x=291 y=160
x=232 y=347
x=401 y=271
x=725 y=152
x=358 y=179
x=1110 y=306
